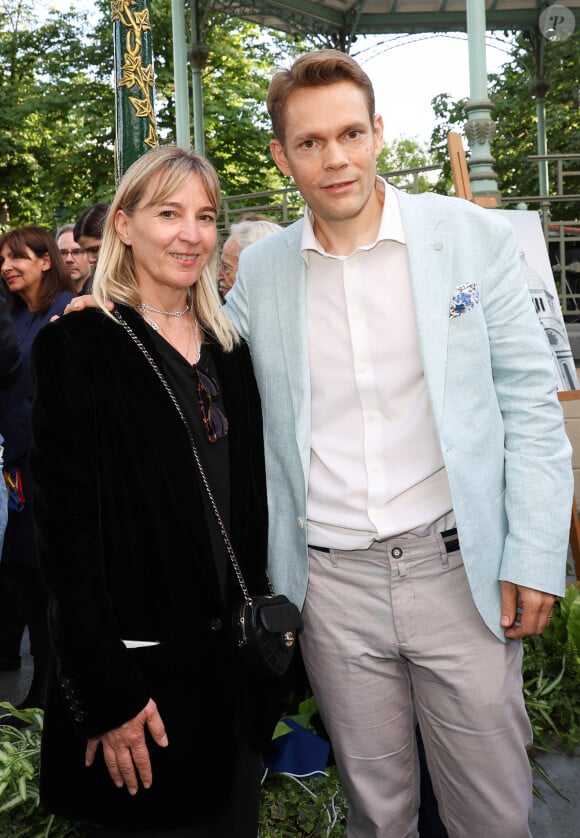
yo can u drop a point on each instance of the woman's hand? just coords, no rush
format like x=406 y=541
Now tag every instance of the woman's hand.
x=125 y=750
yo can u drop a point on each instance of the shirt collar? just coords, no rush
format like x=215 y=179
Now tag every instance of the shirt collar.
x=391 y=226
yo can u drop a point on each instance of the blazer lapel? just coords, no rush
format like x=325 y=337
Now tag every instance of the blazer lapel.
x=430 y=250
x=290 y=290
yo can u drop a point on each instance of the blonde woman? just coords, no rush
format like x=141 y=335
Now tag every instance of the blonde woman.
x=151 y=728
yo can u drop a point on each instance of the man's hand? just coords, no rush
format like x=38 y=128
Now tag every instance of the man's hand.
x=125 y=750
x=84 y=301
x=524 y=611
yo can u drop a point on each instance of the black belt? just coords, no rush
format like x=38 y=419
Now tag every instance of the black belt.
x=450 y=540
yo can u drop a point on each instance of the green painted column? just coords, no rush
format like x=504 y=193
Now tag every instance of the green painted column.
x=198 y=52
x=480 y=127
x=180 y=75
x=136 y=130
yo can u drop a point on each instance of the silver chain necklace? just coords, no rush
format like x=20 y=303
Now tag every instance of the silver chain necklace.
x=193 y=329
x=144 y=307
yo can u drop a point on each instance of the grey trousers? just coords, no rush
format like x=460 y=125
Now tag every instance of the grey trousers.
x=393 y=639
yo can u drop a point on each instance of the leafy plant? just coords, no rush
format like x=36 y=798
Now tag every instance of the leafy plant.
x=551 y=674
x=20 y=814
x=313 y=808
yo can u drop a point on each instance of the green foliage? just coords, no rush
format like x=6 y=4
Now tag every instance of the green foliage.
x=551 y=673
x=20 y=814
x=56 y=128
x=309 y=808
x=516 y=117
x=405 y=153
x=239 y=59
x=313 y=807
x=57 y=121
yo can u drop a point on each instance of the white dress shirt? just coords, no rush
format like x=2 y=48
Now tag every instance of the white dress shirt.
x=376 y=468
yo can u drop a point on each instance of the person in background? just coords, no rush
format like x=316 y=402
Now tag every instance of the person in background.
x=146 y=685
x=88 y=231
x=419 y=474
x=37 y=286
x=242 y=234
x=11 y=626
x=75 y=258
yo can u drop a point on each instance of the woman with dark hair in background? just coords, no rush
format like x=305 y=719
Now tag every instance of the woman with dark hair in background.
x=38 y=286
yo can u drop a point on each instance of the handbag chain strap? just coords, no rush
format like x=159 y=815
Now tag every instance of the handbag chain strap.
x=171 y=394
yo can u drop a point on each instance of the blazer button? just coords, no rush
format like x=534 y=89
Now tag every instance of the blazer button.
x=216 y=624
x=80 y=716
x=65 y=683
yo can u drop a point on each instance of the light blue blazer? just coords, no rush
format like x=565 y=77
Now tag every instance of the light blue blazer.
x=491 y=380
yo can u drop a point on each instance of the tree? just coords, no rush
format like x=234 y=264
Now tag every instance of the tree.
x=57 y=122
x=241 y=58
x=515 y=116
x=56 y=137
x=405 y=153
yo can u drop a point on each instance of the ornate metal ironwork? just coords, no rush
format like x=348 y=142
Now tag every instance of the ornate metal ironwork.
x=135 y=82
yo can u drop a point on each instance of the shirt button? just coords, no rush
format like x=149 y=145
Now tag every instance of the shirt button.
x=215 y=624
x=396 y=552
x=300 y=523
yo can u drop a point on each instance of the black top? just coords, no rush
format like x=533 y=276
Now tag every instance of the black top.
x=9 y=352
x=182 y=378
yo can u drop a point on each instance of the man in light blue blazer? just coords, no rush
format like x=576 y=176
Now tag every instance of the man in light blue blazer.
x=419 y=475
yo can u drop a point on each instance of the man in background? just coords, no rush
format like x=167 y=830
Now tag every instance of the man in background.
x=242 y=233
x=11 y=623
x=75 y=258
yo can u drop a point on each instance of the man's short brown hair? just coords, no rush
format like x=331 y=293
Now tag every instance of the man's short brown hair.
x=314 y=69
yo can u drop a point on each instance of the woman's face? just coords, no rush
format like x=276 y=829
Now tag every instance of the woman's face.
x=171 y=241
x=23 y=274
x=91 y=246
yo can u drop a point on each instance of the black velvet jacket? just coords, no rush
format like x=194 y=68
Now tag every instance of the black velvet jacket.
x=124 y=549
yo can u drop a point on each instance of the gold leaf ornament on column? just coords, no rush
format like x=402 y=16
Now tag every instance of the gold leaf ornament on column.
x=134 y=73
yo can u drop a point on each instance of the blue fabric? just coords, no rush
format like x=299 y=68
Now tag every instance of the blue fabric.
x=297 y=752
x=3 y=503
x=15 y=415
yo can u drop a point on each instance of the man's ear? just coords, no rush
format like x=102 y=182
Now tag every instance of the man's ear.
x=378 y=131
x=279 y=156
x=122 y=226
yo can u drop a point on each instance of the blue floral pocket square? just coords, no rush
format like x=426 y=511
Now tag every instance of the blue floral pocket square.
x=465 y=298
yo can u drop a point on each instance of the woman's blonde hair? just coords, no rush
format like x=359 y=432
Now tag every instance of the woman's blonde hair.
x=115 y=276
